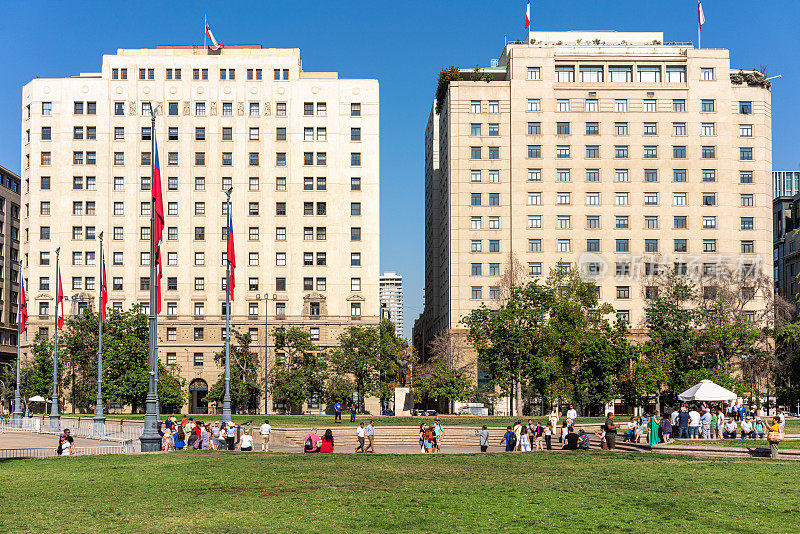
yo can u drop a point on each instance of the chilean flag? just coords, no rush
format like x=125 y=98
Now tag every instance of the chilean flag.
x=60 y=302
x=701 y=18
x=528 y=16
x=22 y=313
x=231 y=255
x=158 y=229
x=103 y=287
x=214 y=44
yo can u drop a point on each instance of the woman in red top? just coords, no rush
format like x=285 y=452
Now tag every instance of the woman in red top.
x=327 y=442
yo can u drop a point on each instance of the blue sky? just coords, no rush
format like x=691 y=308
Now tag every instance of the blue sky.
x=403 y=45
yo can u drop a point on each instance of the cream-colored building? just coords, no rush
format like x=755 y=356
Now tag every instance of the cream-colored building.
x=9 y=265
x=613 y=153
x=300 y=150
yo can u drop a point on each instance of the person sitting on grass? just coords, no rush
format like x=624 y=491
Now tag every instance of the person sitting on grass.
x=246 y=441
x=311 y=442
x=571 y=440
x=747 y=428
x=327 y=441
x=730 y=429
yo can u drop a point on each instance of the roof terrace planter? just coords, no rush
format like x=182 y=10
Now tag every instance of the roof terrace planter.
x=447 y=75
x=752 y=79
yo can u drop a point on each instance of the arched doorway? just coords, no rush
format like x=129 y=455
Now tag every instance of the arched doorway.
x=198 y=389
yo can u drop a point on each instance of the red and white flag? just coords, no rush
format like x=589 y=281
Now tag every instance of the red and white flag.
x=60 y=302
x=214 y=44
x=103 y=287
x=701 y=18
x=528 y=16
x=22 y=312
x=231 y=255
x=157 y=236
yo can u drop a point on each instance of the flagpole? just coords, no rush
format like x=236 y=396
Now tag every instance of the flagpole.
x=205 y=25
x=698 y=36
x=150 y=439
x=226 y=399
x=17 y=419
x=55 y=417
x=99 y=418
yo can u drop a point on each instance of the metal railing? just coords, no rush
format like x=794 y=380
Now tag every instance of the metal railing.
x=45 y=452
x=80 y=428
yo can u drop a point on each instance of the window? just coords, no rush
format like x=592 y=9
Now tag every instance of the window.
x=651 y=175
x=620 y=175
x=746 y=223
x=534 y=128
x=562 y=104
x=534 y=221
x=592 y=128
x=745 y=153
x=563 y=222
x=709 y=245
x=679 y=222
x=746 y=199
x=562 y=128
x=676 y=74
x=679 y=152
x=679 y=199
x=745 y=177
x=745 y=130
x=678 y=105
x=650 y=199
x=494 y=153
x=534 y=73
x=621 y=105
x=649 y=106
x=707 y=106
x=565 y=74
x=709 y=221
x=562 y=151
x=623 y=292
x=475 y=152
x=476 y=292
x=494 y=106
x=651 y=222
x=620 y=74
x=709 y=199
x=679 y=175
x=562 y=175
x=534 y=104
x=745 y=107
x=534 y=199
x=563 y=198
x=564 y=245
x=534 y=151
x=622 y=245
x=621 y=151
x=708 y=152
x=650 y=152
x=534 y=175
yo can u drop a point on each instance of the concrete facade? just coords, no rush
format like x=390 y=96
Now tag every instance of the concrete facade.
x=391 y=297
x=9 y=266
x=609 y=153
x=300 y=149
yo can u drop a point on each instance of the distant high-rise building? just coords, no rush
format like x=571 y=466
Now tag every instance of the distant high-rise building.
x=9 y=266
x=785 y=223
x=391 y=297
x=611 y=153
x=299 y=149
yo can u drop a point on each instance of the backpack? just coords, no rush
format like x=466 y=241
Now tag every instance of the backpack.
x=309 y=444
x=512 y=441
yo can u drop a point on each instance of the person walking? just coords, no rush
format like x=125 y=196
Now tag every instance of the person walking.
x=572 y=415
x=429 y=440
x=265 y=430
x=369 y=432
x=553 y=418
x=64 y=446
x=538 y=436
x=337 y=412
x=611 y=431
x=438 y=432
x=422 y=437
x=353 y=411
x=774 y=436
x=510 y=440
x=484 y=440
x=360 y=437
x=524 y=440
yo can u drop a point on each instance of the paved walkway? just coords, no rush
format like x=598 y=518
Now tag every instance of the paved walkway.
x=25 y=440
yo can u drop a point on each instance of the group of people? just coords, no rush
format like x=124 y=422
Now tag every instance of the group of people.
x=537 y=437
x=204 y=435
x=430 y=437
x=66 y=444
x=713 y=424
x=313 y=443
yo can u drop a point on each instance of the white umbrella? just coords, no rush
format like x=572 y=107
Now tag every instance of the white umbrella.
x=38 y=398
x=707 y=390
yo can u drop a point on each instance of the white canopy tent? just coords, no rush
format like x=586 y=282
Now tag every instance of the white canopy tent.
x=707 y=391
x=38 y=398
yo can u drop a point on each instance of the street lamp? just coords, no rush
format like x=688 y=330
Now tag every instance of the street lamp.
x=265 y=298
x=55 y=416
x=188 y=390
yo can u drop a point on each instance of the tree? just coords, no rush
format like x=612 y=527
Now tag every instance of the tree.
x=301 y=373
x=245 y=388
x=338 y=389
x=441 y=382
x=37 y=372
x=359 y=355
x=507 y=339
x=79 y=342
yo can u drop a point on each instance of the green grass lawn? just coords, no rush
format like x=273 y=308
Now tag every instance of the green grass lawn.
x=214 y=492
x=284 y=421
x=748 y=443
